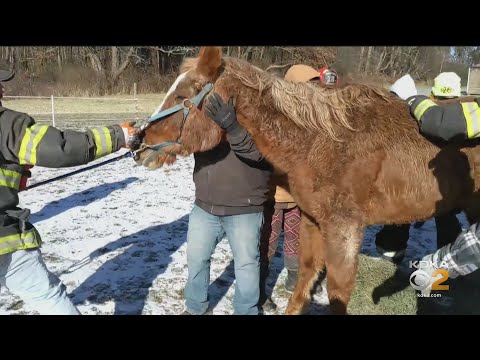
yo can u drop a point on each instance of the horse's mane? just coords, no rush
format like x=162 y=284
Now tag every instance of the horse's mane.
x=309 y=106
x=188 y=64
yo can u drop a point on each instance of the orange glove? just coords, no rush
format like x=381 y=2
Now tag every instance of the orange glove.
x=129 y=132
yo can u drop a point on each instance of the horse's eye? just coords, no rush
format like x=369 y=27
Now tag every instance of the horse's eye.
x=180 y=98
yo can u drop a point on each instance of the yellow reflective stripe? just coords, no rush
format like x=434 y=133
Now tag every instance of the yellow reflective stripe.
x=9 y=183
x=471 y=111
x=23 y=146
x=422 y=107
x=36 y=141
x=15 y=237
x=103 y=141
x=31 y=245
x=10 y=179
x=28 y=147
x=27 y=240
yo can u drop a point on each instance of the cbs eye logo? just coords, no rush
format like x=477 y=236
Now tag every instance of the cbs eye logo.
x=420 y=280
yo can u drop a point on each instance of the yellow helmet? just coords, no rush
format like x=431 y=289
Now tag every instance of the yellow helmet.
x=447 y=85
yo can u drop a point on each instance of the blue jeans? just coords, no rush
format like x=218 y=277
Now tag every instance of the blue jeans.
x=243 y=233
x=24 y=273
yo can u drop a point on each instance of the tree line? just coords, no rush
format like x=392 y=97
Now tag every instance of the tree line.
x=68 y=70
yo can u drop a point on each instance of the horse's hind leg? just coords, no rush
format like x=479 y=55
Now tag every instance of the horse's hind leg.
x=344 y=238
x=311 y=261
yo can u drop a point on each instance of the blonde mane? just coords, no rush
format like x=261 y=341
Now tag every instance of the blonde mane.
x=309 y=106
x=188 y=64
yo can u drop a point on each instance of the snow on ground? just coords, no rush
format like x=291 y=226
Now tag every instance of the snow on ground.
x=116 y=236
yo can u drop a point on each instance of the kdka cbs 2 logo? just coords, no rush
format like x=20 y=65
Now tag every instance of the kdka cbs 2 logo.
x=429 y=276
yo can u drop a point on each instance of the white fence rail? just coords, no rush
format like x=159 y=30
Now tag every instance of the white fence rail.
x=78 y=112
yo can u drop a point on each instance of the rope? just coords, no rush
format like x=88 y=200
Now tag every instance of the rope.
x=126 y=155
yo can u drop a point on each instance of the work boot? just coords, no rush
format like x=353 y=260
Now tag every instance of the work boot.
x=394 y=256
x=391 y=242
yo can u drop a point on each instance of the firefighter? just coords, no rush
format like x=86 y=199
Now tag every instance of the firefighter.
x=24 y=144
x=457 y=122
x=391 y=241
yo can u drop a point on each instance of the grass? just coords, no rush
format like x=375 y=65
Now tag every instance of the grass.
x=157 y=296
x=52 y=258
x=384 y=289
x=16 y=306
x=381 y=290
x=88 y=112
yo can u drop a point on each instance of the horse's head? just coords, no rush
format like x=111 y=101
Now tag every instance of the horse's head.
x=180 y=126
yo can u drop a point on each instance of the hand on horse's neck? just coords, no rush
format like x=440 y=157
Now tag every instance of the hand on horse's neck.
x=250 y=107
x=273 y=139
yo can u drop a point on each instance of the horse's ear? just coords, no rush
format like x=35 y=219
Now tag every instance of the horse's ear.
x=209 y=61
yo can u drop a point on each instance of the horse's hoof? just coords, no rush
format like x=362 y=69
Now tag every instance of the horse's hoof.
x=338 y=308
x=291 y=312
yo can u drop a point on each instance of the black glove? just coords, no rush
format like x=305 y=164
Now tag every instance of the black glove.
x=223 y=114
x=135 y=141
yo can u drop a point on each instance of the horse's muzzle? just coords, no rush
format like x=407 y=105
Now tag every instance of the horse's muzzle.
x=147 y=157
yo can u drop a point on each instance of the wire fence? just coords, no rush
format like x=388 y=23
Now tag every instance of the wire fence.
x=73 y=112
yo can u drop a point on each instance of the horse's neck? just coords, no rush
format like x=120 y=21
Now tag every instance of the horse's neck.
x=258 y=115
x=275 y=136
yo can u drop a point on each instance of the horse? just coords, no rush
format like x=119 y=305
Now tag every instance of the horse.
x=352 y=157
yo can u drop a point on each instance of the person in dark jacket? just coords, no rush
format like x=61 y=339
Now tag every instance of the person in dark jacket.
x=24 y=144
x=457 y=122
x=231 y=189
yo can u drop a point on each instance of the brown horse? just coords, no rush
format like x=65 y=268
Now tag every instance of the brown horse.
x=352 y=157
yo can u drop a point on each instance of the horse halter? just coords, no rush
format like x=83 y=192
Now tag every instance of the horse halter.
x=186 y=106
